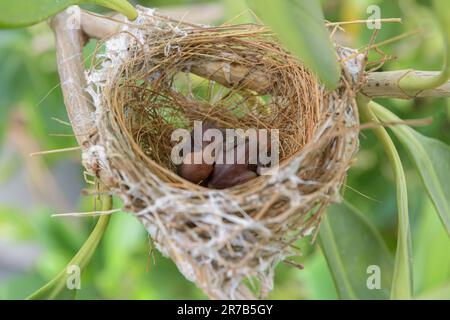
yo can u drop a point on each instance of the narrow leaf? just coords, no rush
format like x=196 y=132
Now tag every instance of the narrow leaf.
x=432 y=160
x=299 y=24
x=402 y=280
x=57 y=287
x=21 y=13
x=356 y=254
x=431 y=250
x=237 y=11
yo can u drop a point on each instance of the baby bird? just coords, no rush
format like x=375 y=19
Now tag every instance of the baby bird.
x=228 y=175
x=219 y=175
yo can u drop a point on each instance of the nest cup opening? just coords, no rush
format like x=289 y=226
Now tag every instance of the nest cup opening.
x=237 y=77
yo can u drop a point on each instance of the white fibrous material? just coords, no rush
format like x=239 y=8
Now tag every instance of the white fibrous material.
x=234 y=245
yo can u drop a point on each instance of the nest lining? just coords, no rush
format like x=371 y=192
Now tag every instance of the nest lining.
x=142 y=90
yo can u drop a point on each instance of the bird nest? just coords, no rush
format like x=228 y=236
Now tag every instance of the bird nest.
x=157 y=75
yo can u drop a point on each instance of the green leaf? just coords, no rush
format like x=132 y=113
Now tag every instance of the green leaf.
x=21 y=13
x=237 y=11
x=442 y=293
x=57 y=288
x=316 y=279
x=299 y=24
x=402 y=280
x=351 y=245
x=431 y=254
x=432 y=159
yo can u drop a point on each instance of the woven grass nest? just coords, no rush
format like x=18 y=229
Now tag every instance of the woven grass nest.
x=157 y=75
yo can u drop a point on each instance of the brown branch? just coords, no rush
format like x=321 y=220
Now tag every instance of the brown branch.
x=69 y=44
x=385 y=85
x=377 y=84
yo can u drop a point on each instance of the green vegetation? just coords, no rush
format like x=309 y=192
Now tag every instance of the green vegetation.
x=397 y=196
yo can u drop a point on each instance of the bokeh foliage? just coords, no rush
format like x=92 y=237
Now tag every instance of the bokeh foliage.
x=125 y=266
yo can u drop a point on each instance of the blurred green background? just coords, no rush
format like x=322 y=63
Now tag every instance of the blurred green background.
x=34 y=247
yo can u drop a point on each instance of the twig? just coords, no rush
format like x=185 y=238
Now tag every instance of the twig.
x=69 y=44
x=86 y=214
x=386 y=85
x=342 y=23
x=39 y=153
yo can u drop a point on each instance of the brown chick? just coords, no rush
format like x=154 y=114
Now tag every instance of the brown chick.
x=229 y=175
x=196 y=173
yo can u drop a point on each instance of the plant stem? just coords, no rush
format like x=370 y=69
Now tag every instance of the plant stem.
x=402 y=279
x=55 y=287
x=122 y=6
x=386 y=84
x=412 y=83
x=377 y=84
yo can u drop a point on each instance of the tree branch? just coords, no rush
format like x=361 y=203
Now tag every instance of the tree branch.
x=386 y=85
x=377 y=84
x=69 y=44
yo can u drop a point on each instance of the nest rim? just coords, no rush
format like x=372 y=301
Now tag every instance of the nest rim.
x=183 y=184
